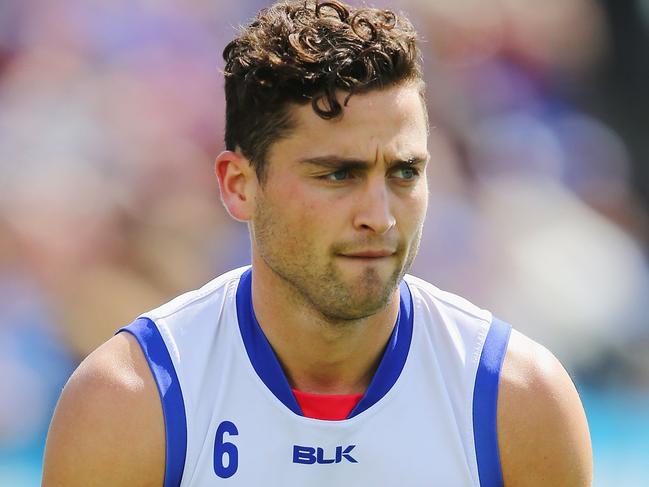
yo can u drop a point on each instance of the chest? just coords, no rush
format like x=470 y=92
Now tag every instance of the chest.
x=240 y=433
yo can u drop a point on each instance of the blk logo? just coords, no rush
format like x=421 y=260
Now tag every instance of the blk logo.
x=309 y=455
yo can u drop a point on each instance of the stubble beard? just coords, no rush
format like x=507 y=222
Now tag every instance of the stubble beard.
x=323 y=287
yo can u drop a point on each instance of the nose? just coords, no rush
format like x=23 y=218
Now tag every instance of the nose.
x=373 y=210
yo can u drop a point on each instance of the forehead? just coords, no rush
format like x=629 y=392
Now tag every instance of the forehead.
x=380 y=124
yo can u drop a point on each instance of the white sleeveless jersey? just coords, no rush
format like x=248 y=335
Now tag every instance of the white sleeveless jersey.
x=428 y=417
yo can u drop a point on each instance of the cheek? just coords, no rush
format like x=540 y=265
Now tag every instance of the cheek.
x=300 y=218
x=413 y=211
x=422 y=208
x=298 y=206
x=421 y=201
x=313 y=207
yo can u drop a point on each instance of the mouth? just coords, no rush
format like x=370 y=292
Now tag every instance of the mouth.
x=369 y=254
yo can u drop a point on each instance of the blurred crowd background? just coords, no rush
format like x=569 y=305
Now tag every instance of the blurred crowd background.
x=111 y=114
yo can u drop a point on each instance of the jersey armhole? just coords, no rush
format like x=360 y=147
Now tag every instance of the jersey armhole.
x=485 y=404
x=173 y=407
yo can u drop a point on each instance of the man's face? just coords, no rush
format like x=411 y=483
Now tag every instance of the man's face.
x=339 y=215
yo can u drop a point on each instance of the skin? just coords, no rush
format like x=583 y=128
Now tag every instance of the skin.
x=543 y=434
x=331 y=239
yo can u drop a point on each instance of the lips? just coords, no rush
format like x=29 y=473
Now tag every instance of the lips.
x=369 y=254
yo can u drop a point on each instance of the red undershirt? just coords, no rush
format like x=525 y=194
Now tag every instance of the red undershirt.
x=332 y=407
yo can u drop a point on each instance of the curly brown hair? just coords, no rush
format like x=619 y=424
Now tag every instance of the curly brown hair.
x=305 y=51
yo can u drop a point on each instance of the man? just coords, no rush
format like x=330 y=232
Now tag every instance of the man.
x=324 y=363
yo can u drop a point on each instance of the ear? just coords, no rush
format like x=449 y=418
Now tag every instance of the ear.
x=238 y=184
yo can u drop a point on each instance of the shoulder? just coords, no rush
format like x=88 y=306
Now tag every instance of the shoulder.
x=542 y=430
x=446 y=301
x=108 y=427
x=216 y=290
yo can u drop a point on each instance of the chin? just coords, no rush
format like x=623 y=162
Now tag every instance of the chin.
x=353 y=313
x=368 y=301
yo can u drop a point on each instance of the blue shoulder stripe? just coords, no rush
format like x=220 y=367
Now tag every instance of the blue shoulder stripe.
x=485 y=404
x=171 y=396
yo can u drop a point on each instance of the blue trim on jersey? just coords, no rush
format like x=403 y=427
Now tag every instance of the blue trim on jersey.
x=485 y=404
x=171 y=396
x=394 y=357
x=260 y=353
x=269 y=370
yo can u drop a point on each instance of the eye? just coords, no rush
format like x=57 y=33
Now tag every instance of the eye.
x=407 y=173
x=339 y=175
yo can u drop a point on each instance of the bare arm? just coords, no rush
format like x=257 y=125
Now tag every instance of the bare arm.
x=108 y=427
x=542 y=430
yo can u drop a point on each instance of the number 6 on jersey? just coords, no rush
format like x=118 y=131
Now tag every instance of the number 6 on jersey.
x=222 y=448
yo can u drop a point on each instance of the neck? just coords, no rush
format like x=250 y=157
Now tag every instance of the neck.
x=318 y=354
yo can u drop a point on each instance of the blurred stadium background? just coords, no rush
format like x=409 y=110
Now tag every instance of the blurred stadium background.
x=111 y=113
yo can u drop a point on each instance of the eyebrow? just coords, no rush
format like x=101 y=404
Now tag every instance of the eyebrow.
x=350 y=163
